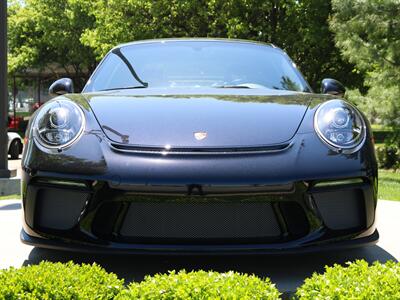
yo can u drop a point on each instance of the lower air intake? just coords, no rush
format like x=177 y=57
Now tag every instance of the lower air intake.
x=200 y=221
x=341 y=210
x=59 y=210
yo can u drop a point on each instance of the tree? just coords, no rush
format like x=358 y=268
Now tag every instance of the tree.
x=299 y=27
x=75 y=34
x=46 y=34
x=121 y=21
x=368 y=34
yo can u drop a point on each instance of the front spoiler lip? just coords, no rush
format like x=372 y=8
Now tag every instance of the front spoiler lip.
x=142 y=249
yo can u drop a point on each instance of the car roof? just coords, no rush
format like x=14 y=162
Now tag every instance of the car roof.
x=167 y=40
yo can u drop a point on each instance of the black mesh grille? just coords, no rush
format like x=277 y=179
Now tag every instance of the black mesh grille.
x=59 y=209
x=200 y=221
x=341 y=209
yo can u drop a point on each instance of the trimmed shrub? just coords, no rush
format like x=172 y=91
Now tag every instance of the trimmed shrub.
x=201 y=285
x=59 y=281
x=356 y=281
x=388 y=156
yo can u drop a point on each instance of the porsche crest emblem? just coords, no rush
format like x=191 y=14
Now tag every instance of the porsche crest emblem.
x=200 y=135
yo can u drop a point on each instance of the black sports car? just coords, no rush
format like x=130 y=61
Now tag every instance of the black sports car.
x=198 y=146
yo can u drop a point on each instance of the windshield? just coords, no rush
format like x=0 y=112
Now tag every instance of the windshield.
x=196 y=64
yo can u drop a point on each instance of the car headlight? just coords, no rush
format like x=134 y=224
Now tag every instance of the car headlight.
x=59 y=123
x=340 y=126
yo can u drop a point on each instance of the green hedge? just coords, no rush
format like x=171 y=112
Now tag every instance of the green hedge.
x=388 y=157
x=356 y=281
x=59 y=281
x=47 y=280
x=201 y=285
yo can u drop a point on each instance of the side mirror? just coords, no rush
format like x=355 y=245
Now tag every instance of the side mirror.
x=332 y=87
x=61 y=86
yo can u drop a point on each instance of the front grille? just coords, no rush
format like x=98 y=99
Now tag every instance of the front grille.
x=59 y=209
x=200 y=221
x=341 y=209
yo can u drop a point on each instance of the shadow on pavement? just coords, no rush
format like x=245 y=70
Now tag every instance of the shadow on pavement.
x=13 y=206
x=287 y=271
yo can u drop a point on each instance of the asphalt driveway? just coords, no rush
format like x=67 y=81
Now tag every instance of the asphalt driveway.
x=287 y=271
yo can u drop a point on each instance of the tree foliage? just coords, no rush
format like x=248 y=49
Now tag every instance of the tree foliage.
x=299 y=27
x=368 y=34
x=46 y=34
x=77 y=33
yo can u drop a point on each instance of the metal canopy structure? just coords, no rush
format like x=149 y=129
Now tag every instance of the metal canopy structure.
x=4 y=172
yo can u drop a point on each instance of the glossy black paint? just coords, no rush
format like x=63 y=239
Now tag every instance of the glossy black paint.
x=61 y=86
x=261 y=144
x=242 y=119
x=332 y=87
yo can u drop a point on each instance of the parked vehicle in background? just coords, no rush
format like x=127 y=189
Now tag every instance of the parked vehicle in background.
x=15 y=145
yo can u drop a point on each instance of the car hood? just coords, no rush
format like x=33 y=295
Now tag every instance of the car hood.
x=217 y=118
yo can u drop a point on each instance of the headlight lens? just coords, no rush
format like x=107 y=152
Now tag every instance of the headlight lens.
x=59 y=123
x=340 y=125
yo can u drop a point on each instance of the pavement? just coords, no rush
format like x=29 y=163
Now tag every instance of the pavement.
x=12 y=186
x=15 y=164
x=287 y=271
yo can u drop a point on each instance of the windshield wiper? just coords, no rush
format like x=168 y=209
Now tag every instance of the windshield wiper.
x=125 y=88
x=232 y=87
x=247 y=85
x=118 y=53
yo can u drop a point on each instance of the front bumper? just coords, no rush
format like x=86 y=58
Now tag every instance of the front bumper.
x=91 y=197
x=94 y=217
x=141 y=249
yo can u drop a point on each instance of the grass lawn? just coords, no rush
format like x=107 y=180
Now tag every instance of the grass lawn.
x=389 y=185
x=10 y=197
x=379 y=127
